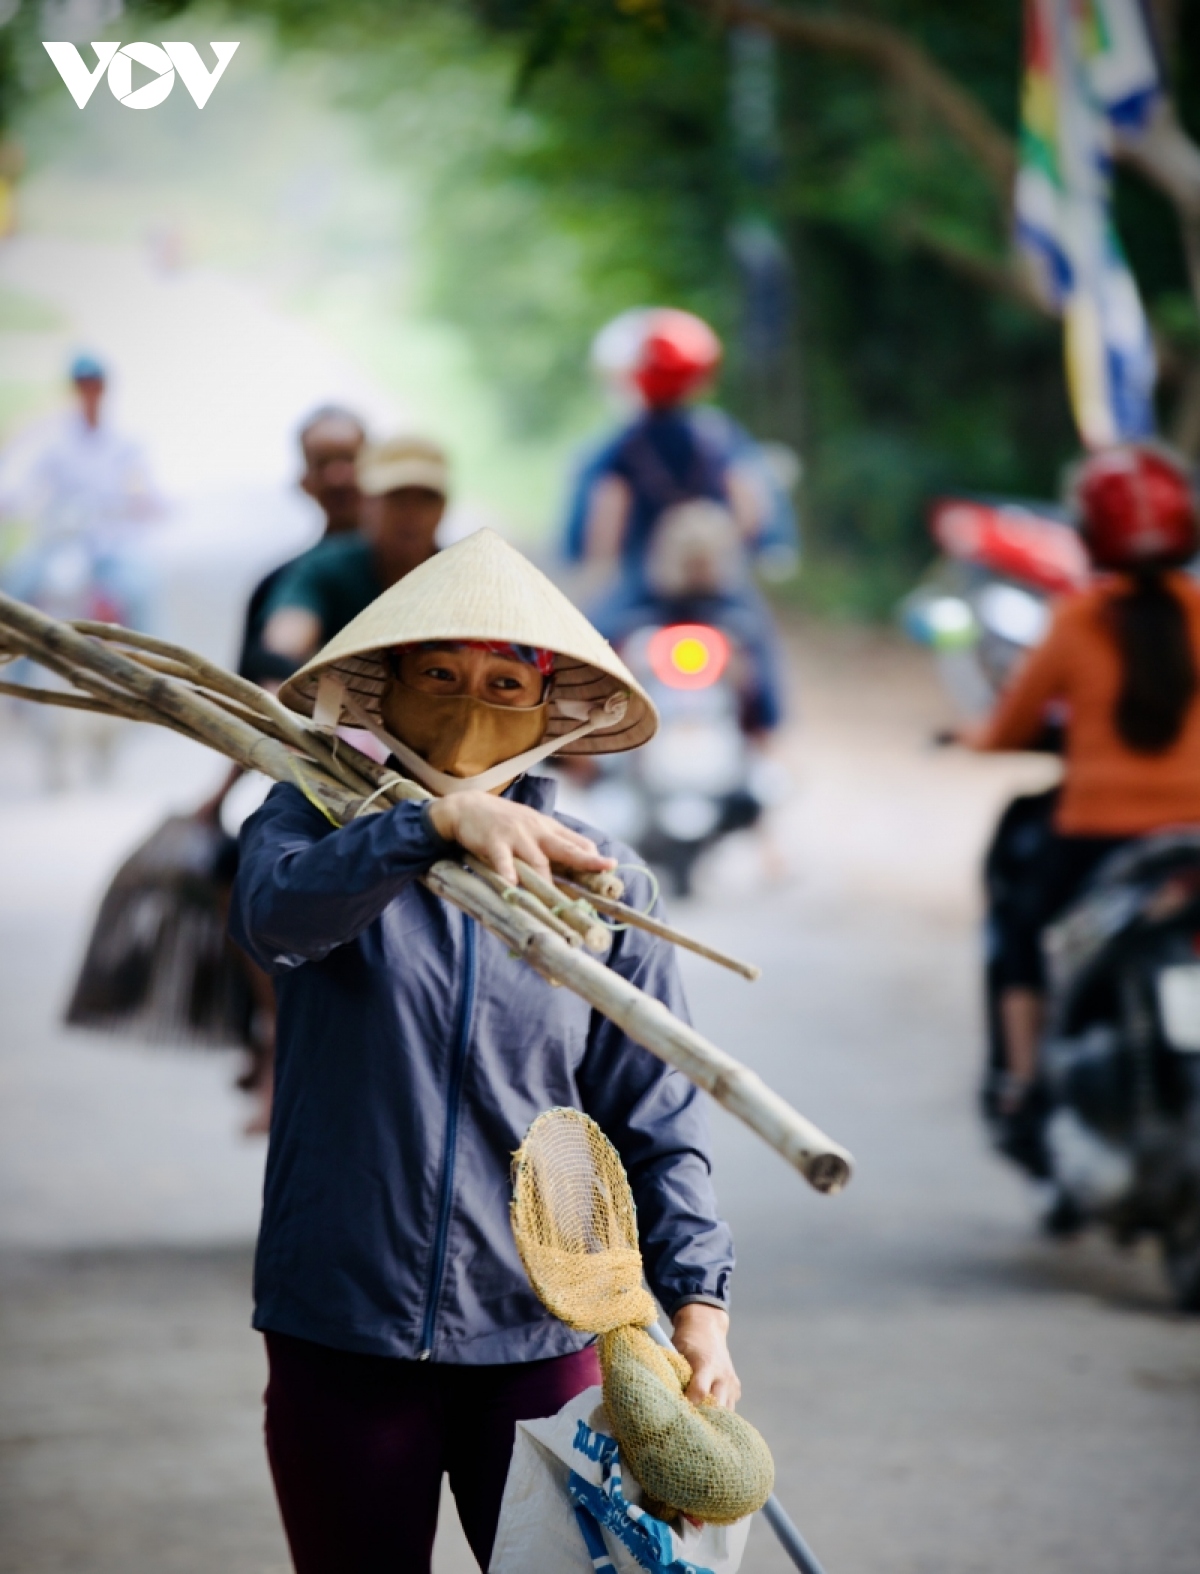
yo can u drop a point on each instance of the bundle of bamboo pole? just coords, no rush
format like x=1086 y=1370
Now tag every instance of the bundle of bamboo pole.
x=552 y=926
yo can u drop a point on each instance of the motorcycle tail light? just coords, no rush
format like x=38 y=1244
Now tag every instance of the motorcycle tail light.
x=688 y=655
x=1013 y=540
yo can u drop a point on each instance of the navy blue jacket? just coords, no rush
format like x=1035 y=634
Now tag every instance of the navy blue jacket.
x=668 y=457
x=413 y=1054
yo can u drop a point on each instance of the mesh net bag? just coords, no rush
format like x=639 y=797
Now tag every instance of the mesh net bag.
x=576 y=1230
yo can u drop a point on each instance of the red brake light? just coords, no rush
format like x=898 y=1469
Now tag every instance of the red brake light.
x=688 y=655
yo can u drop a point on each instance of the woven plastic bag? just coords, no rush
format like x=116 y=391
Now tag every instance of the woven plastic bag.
x=568 y=1505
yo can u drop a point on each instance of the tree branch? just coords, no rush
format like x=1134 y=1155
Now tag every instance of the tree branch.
x=1008 y=279
x=1165 y=156
x=889 y=50
x=1162 y=154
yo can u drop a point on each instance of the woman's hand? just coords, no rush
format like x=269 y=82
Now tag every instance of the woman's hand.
x=499 y=832
x=699 y=1335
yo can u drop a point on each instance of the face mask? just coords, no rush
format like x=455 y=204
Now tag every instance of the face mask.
x=457 y=734
x=334 y=701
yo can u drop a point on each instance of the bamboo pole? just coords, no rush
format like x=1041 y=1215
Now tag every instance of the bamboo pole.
x=69 y=701
x=188 y=666
x=579 y=917
x=178 y=661
x=207 y=672
x=523 y=899
x=108 y=699
x=599 y=882
x=94 y=666
x=825 y=1164
x=655 y=926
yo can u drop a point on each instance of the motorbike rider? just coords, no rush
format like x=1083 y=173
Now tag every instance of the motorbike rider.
x=85 y=488
x=765 y=475
x=396 y=491
x=696 y=573
x=671 y=454
x=1120 y=671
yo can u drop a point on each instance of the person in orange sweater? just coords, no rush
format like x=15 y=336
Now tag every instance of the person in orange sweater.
x=1120 y=668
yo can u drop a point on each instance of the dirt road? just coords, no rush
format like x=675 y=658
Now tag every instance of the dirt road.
x=943 y=1391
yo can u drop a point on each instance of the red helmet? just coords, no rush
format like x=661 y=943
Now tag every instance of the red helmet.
x=1136 y=507
x=678 y=354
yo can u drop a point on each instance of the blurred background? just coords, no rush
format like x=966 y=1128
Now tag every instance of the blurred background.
x=424 y=213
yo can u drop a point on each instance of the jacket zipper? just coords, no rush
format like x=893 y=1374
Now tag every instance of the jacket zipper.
x=458 y=1068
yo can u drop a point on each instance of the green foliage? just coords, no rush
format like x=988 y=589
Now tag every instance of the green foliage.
x=577 y=159
x=914 y=380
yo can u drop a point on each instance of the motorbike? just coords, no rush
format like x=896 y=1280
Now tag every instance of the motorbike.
x=1112 y=1122
x=697 y=780
x=69 y=578
x=986 y=601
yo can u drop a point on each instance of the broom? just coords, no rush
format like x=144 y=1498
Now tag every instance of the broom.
x=119 y=672
x=159 y=965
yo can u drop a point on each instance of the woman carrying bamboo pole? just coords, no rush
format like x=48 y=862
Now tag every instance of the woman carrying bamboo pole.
x=403 y=1337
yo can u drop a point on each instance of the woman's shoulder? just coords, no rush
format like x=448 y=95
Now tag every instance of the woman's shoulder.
x=1106 y=588
x=284 y=810
x=1186 y=587
x=1076 y=611
x=1081 y=606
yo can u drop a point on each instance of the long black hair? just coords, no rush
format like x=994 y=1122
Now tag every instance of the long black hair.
x=1159 y=678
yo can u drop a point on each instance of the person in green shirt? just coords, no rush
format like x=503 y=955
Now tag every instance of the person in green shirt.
x=330 y=442
x=403 y=484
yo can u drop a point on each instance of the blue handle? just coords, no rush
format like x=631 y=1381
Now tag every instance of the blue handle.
x=789 y=1538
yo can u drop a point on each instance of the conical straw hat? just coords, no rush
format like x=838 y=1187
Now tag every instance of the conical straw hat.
x=483 y=589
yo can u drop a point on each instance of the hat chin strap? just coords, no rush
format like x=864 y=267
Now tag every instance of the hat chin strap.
x=333 y=699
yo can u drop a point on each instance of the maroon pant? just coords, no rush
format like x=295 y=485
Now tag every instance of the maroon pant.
x=358 y=1445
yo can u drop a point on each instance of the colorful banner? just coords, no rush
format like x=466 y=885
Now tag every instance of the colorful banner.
x=1090 y=68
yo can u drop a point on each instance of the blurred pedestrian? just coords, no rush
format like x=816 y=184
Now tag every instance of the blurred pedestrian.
x=404 y=484
x=331 y=440
x=396 y=491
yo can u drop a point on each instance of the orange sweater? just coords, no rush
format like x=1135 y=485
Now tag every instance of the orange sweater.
x=1108 y=789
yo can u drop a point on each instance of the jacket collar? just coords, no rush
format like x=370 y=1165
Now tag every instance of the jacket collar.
x=536 y=792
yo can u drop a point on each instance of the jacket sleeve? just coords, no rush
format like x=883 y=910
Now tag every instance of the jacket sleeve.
x=1020 y=715
x=656 y=1120
x=305 y=887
